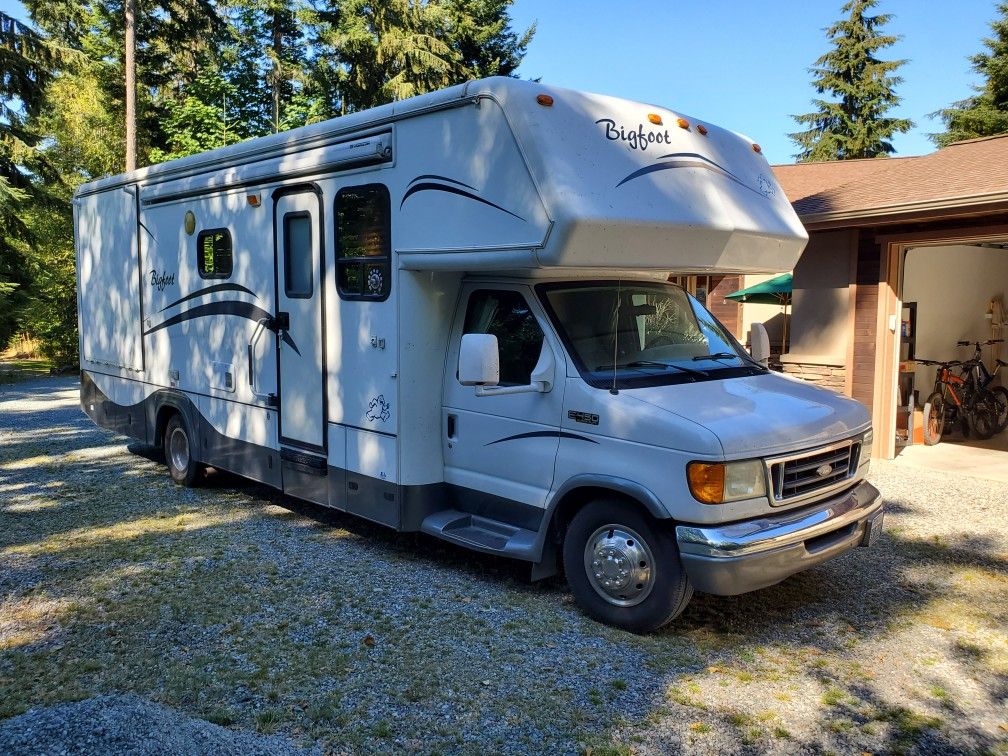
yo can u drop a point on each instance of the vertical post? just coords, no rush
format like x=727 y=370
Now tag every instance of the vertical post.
x=130 y=65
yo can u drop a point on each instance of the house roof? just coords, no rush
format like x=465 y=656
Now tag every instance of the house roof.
x=974 y=172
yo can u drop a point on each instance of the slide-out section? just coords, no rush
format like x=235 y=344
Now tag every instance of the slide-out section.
x=110 y=279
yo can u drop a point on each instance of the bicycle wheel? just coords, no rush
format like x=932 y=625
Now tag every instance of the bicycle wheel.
x=1000 y=394
x=934 y=418
x=983 y=415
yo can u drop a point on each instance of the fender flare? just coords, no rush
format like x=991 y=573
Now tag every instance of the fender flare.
x=185 y=407
x=543 y=550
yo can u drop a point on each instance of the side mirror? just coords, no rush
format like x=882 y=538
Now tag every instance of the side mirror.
x=759 y=344
x=479 y=360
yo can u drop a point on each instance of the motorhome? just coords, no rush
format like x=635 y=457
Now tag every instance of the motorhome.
x=451 y=314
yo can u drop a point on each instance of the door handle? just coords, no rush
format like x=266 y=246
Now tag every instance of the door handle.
x=260 y=328
x=452 y=426
x=282 y=321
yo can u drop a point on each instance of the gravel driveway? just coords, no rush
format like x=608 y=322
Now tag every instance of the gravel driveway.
x=139 y=617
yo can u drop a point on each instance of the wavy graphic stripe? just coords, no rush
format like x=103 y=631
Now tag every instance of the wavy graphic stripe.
x=238 y=309
x=210 y=290
x=441 y=178
x=430 y=186
x=687 y=160
x=543 y=434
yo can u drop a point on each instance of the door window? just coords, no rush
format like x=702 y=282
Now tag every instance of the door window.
x=506 y=315
x=297 y=229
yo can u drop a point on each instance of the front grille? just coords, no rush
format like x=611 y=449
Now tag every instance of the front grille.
x=801 y=475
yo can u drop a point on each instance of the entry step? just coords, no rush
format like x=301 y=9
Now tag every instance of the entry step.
x=481 y=533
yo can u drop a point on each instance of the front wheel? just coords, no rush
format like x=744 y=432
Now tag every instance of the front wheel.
x=623 y=567
x=983 y=416
x=934 y=418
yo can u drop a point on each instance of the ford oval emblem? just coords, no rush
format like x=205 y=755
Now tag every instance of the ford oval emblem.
x=823 y=470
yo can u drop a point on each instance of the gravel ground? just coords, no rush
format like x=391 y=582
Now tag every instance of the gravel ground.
x=228 y=618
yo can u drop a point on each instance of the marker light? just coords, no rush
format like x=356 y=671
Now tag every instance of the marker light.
x=702 y=129
x=654 y=118
x=683 y=123
x=253 y=200
x=757 y=149
x=720 y=482
x=544 y=99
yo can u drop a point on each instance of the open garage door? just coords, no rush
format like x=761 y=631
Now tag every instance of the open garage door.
x=949 y=294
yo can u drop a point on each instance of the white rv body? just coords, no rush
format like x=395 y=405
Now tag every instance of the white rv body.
x=345 y=392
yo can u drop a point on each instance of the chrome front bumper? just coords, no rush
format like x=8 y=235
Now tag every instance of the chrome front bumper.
x=744 y=556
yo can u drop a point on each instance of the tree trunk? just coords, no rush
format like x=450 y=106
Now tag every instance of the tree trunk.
x=130 y=65
x=277 y=68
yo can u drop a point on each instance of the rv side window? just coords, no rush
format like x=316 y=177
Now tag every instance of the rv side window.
x=363 y=242
x=507 y=316
x=213 y=253
x=298 y=256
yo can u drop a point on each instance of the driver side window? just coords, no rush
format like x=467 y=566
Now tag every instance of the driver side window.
x=506 y=315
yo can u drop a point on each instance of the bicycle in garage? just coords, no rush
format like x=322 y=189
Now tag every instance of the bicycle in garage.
x=959 y=401
x=985 y=378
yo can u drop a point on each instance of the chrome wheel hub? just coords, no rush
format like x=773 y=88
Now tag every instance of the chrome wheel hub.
x=619 y=565
x=178 y=450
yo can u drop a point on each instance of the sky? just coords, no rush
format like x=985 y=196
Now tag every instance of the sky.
x=741 y=64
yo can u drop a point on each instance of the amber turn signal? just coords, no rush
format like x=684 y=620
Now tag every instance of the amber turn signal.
x=544 y=100
x=654 y=118
x=706 y=481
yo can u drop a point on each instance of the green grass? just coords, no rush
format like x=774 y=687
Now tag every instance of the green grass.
x=14 y=370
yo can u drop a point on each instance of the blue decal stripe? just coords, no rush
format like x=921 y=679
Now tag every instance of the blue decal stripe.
x=543 y=434
x=687 y=160
x=441 y=178
x=210 y=290
x=238 y=309
x=428 y=186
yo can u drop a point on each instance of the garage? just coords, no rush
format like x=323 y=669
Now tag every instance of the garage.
x=906 y=257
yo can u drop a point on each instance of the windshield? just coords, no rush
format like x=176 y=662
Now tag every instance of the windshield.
x=633 y=333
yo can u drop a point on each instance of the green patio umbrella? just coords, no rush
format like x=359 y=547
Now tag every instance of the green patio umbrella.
x=776 y=290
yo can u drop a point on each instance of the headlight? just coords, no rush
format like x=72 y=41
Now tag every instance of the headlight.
x=720 y=482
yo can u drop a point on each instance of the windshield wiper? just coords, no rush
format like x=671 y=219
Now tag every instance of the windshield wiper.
x=717 y=356
x=651 y=363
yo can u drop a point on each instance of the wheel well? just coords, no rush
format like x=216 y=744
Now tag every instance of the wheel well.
x=574 y=500
x=164 y=414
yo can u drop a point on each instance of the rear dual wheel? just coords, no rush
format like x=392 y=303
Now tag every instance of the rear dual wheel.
x=623 y=567
x=178 y=449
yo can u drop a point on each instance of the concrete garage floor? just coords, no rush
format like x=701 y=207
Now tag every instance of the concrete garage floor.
x=980 y=459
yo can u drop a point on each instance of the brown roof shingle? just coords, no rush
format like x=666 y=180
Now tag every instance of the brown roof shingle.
x=975 y=168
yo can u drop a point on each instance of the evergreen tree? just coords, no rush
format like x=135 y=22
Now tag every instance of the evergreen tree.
x=986 y=113
x=26 y=64
x=855 y=124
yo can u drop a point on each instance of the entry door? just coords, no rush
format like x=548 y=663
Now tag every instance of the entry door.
x=297 y=223
x=503 y=445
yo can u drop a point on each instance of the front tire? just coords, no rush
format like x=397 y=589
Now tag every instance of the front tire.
x=934 y=419
x=178 y=448
x=623 y=567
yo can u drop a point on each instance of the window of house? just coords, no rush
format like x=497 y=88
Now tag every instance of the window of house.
x=506 y=315
x=213 y=253
x=364 y=242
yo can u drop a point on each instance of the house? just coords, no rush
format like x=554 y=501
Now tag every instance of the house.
x=905 y=257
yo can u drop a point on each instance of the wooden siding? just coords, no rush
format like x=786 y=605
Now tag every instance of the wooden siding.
x=866 y=318
x=726 y=310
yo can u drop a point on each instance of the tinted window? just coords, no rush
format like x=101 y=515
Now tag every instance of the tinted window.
x=363 y=242
x=506 y=315
x=298 y=255
x=213 y=253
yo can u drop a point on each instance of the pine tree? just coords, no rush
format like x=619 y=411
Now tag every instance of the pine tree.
x=855 y=124
x=986 y=113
